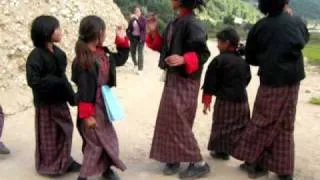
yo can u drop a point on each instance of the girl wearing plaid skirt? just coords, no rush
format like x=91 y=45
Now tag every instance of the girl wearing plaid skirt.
x=46 y=75
x=183 y=51
x=227 y=78
x=274 y=44
x=93 y=67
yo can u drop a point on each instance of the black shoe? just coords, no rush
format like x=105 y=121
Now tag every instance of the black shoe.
x=109 y=174
x=256 y=171
x=246 y=167
x=81 y=178
x=74 y=167
x=171 y=169
x=195 y=171
x=285 y=177
x=220 y=155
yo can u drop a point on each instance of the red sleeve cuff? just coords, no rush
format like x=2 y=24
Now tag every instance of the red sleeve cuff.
x=86 y=110
x=154 y=41
x=122 y=42
x=206 y=99
x=191 y=61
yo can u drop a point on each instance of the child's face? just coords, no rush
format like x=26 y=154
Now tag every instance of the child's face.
x=57 y=35
x=137 y=12
x=175 y=4
x=223 y=45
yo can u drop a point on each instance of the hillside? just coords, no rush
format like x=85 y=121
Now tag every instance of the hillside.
x=308 y=9
x=215 y=12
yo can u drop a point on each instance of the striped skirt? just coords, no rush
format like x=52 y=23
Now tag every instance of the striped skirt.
x=268 y=139
x=100 y=145
x=229 y=121
x=54 y=129
x=173 y=139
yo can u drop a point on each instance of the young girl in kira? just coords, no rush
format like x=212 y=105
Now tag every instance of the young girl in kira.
x=227 y=78
x=183 y=51
x=93 y=67
x=275 y=45
x=46 y=75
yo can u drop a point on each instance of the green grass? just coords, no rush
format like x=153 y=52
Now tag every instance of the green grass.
x=312 y=52
x=315 y=100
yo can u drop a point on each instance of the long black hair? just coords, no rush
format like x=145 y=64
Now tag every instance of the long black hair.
x=42 y=29
x=193 y=4
x=231 y=35
x=272 y=7
x=90 y=30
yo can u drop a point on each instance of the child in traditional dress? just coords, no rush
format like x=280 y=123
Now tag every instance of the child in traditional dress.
x=275 y=45
x=3 y=148
x=93 y=67
x=183 y=51
x=46 y=75
x=227 y=78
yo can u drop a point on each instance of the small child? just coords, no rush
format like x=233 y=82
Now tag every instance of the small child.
x=3 y=148
x=95 y=66
x=46 y=76
x=227 y=78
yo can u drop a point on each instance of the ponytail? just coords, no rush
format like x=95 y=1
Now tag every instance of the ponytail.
x=84 y=56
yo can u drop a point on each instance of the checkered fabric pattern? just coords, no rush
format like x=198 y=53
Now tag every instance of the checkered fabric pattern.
x=54 y=129
x=229 y=121
x=268 y=138
x=173 y=139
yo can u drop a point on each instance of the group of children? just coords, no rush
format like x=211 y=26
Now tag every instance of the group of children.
x=264 y=142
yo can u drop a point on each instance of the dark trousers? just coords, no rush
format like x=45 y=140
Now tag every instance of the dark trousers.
x=136 y=45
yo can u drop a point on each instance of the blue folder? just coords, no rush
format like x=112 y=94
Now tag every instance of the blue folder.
x=114 y=110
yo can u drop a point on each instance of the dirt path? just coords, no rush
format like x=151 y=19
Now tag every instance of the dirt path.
x=140 y=96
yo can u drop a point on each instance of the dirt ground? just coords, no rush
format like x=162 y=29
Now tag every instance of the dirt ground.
x=140 y=96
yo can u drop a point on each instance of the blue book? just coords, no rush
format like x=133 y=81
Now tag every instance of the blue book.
x=114 y=110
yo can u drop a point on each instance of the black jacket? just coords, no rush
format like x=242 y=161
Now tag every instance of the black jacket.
x=188 y=35
x=87 y=80
x=275 y=44
x=227 y=77
x=46 y=75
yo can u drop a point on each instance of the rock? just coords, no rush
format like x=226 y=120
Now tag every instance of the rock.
x=15 y=21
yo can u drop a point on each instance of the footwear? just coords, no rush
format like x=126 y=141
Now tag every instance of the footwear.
x=256 y=171
x=195 y=171
x=139 y=72
x=3 y=149
x=246 y=167
x=171 y=169
x=81 y=178
x=220 y=155
x=109 y=174
x=285 y=177
x=74 y=167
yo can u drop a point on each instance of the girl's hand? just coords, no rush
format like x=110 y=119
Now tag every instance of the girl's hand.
x=206 y=109
x=288 y=10
x=91 y=122
x=175 y=60
x=120 y=31
x=133 y=16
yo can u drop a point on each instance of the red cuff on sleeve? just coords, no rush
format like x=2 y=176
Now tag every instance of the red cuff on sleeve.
x=122 y=42
x=86 y=110
x=191 y=61
x=154 y=41
x=206 y=99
